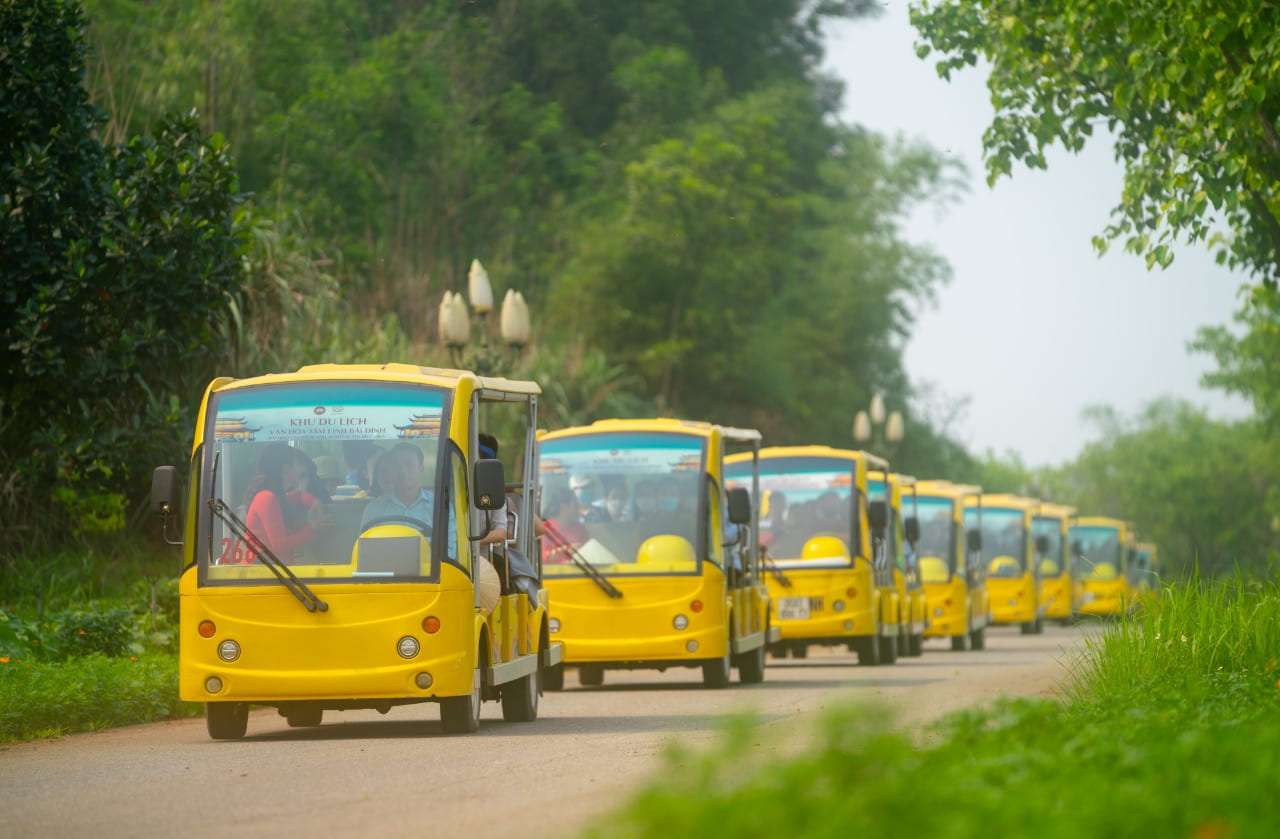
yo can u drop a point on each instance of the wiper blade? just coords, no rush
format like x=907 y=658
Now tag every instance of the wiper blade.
x=283 y=573
x=587 y=568
x=773 y=569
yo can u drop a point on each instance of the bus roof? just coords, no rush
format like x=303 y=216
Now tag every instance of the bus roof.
x=704 y=429
x=441 y=376
x=1050 y=510
x=946 y=489
x=1004 y=499
x=1103 y=521
x=872 y=461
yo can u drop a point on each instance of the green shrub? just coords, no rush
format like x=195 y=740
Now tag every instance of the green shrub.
x=81 y=633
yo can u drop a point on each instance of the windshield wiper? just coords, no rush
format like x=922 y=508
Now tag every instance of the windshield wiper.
x=283 y=573
x=773 y=569
x=587 y=568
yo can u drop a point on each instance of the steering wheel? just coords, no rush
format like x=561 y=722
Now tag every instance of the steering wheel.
x=416 y=524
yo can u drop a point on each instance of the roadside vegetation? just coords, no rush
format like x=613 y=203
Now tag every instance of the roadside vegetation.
x=1170 y=726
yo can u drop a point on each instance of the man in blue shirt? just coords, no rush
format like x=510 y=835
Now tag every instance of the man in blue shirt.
x=405 y=497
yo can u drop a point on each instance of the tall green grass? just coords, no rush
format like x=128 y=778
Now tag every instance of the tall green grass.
x=1170 y=727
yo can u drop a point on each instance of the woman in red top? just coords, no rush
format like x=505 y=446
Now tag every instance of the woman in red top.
x=564 y=529
x=278 y=510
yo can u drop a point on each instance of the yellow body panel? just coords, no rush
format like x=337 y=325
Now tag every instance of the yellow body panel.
x=955 y=606
x=638 y=629
x=1013 y=601
x=1059 y=590
x=348 y=653
x=1105 y=589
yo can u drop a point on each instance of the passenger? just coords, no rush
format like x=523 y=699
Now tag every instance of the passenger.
x=590 y=504
x=668 y=495
x=328 y=476
x=615 y=499
x=524 y=577
x=358 y=455
x=280 y=469
x=564 y=528
x=644 y=503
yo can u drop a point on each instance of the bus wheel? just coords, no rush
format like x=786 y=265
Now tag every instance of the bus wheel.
x=591 y=675
x=978 y=638
x=553 y=678
x=915 y=645
x=226 y=720
x=869 y=651
x=1029 y=628
x=959 y=643
x=904 y=645
x=751 y=666
x=304 y=717
x=461 y=714
x=520 y=699
x=1039 y=626
x=715 y=674
x=800 y=650
x=888 y=650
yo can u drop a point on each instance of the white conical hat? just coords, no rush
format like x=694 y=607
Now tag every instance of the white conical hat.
x=489 y=584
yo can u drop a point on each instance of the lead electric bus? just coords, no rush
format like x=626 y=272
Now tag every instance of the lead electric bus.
x=1102 y=547
x=650 y=561
x=1008 y=555
x=887 y=535
x=950 y=566
x=371 y=595
x=827 y=585
x=1059 y=594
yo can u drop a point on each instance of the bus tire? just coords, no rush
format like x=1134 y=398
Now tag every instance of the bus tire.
x=978 y=638
x=868 y=651
x=959 y=643
x=520 y=699
x=799 y=650
x=304 y=717
x=751 y=666
x=888 y=650
x=226 y=720
x=461 y=714
x=1029 y=628
x=715 y=673
x=590 y=675
x=915 y=645
x=553 y=678
x=1039 y=626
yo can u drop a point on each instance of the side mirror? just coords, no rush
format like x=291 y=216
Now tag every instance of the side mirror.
x=878 y=514
x=739 y=505
x=164 y=490
x=911 y=529
x=1042 y=545
x=489 y=485
x=974 y=540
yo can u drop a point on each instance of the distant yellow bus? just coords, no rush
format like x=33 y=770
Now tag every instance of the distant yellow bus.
x=1059 y=588
x=1008 y=556
x=954 y=576
x=1102 y=547
x=308 y=598
x=651 y=561
x=887 y=532
x=826 y=585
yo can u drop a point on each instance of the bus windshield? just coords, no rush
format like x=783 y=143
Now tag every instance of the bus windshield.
x=1051 y=529
x=626 y=502
x=306 y=468
x=1004 y=540
x=803 y=500
x=1099 y=551
x=936 y=548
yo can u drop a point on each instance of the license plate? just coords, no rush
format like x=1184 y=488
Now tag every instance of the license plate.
x=793 y=608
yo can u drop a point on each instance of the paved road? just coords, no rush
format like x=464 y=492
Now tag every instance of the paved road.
x=399 y=775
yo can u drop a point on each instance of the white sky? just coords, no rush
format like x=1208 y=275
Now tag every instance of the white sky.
x=1051 y=328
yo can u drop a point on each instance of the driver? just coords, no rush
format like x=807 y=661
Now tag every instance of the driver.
x=399 y=476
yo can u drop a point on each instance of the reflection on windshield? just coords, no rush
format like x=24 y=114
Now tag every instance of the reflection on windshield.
x=805 y=510
x=936 y=547
x=625 y=502
x=1099 y=551
x=1051 y=529
x=309 y=468
x=1004 y=540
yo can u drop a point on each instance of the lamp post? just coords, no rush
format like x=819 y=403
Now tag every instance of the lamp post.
x=876 y=431
x=454 y=324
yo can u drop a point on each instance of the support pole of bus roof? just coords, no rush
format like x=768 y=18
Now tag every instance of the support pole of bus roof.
x=752 y=439
x=587 y=568
x=283 y=573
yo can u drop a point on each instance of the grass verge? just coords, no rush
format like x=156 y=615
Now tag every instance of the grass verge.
x=46 y=699
x=1171 y=728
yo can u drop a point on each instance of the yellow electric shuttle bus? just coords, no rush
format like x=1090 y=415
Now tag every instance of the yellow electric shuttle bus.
x=1102 y=547
x=1009 y=557
x=650 y=561
x=888 y=537
x=827 y=585
x=950 y=567
x=1058 y=587
x=311 y=596
x=1144 y=574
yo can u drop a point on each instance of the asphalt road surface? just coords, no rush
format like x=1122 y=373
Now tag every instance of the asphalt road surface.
x=365 y=774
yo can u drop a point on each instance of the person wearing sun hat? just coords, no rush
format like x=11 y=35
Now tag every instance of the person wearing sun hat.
x=524 y=577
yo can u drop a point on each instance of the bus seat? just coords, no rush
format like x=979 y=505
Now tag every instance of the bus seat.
x=933 y=570
x=1004 y=566
x=667 y=552
x=825 y=547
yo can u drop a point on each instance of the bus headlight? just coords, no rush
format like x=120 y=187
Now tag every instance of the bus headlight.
x=838 y=605
x=423 y=680
x=407 y=646
x=680 y=622
x=553 y=624
x=213 y=684
x=691 y=646
x=228 y=650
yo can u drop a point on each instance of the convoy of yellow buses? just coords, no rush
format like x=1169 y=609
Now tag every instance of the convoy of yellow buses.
x=350 y=540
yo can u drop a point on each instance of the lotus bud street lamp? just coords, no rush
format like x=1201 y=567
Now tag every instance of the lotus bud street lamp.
x=454 y=320
x=867 y=423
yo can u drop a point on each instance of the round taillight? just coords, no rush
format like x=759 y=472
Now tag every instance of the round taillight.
x=206 y=629
x=431 y=624
x=695 y=606
x=851 y=592
x=947 y=602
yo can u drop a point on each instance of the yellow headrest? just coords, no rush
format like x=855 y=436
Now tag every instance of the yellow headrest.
x=1103 y=571
x=1004 y=566
x=825 y=547
x=667 y=548
x=1049 y=568
x=934 y=570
